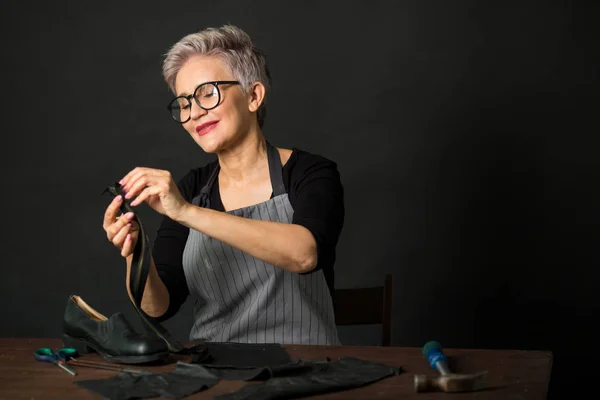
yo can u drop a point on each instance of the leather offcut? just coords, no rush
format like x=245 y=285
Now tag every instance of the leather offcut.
x=323 y=377
x=180 y=383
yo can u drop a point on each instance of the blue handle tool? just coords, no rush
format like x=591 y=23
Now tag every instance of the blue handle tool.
x=435 y=357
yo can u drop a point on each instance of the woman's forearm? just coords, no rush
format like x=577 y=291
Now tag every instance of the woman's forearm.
x=288 y=246
x=156 y=296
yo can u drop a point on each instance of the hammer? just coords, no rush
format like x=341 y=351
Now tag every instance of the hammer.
x=447 y=381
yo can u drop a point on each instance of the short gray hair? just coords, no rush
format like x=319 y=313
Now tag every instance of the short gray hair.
x=247 y=63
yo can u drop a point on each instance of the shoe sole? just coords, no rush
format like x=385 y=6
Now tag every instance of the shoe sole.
x=84 y=347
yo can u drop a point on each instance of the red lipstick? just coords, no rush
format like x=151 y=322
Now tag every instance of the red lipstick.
x=206 y=127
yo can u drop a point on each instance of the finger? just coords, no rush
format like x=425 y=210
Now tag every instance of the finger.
x=139 y=181
x=123 y=182
x=127 y=246
x=136 y=186
x=136 y=174
x=150 y=179
x=116 y=227
x=119 y=238
x=149 y=191
x=134 y=227
x=111 y=211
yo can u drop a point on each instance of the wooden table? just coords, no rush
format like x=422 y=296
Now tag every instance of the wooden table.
x=513 y=374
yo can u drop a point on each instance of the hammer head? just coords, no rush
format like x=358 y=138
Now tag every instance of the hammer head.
x=451 y=382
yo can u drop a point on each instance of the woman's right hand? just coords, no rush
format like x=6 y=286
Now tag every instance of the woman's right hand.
x=120 y=230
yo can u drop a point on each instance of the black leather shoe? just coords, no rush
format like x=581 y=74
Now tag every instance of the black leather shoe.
x=113 y=338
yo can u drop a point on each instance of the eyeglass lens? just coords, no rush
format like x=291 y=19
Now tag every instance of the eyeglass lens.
x=206 y=96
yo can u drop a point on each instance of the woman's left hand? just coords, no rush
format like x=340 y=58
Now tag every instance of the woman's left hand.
x=157 y=188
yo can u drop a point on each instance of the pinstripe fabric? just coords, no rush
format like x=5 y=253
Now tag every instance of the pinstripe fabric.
x=243 y=299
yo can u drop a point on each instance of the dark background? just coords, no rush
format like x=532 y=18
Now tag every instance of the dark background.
x=466 y=134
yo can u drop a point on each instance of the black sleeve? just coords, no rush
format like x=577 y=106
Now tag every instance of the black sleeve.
x=317 y=197
x=168 y=250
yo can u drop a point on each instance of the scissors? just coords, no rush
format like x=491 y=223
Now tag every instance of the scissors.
x=58 y=358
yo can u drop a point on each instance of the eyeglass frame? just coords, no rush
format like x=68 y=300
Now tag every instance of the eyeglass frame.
x=193 y=95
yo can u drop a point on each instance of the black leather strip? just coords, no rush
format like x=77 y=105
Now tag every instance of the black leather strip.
x=140 y=267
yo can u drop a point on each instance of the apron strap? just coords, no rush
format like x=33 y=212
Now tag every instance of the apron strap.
x=275 y=170
x=205 y=191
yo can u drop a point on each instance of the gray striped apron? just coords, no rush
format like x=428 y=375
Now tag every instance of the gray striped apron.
x=240 y=298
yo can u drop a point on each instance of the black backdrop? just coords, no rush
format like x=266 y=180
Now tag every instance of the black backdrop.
x=466 y=134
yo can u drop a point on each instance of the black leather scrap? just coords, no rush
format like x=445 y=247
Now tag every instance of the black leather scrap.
x=182 y=382
x=321 y=377
x=245 y=355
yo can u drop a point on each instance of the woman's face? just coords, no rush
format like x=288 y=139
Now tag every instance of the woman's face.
x=224 y=125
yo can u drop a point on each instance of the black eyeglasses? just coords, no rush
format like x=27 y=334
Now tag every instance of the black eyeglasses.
x=207 y=96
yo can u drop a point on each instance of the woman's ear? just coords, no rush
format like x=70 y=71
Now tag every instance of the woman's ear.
x=256 y=96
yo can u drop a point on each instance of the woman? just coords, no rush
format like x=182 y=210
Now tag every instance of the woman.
x=252 y=235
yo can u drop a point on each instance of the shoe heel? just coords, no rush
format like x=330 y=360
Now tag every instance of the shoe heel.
x=79 y=345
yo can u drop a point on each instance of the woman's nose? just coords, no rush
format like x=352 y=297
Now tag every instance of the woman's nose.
x=197 y=111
